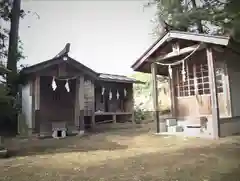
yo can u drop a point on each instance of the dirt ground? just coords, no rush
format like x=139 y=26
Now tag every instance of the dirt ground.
x=123 y=154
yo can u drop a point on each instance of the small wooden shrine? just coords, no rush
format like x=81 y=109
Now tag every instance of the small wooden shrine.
x=61 y=96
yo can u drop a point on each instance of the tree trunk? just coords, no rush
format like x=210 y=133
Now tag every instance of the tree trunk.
x=198 y=22
x=13 y=46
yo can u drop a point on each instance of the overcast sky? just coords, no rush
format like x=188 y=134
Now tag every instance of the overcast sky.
x=108 y=36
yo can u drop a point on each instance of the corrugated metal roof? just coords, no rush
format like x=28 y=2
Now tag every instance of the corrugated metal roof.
x=59 y=59
x=117 y=78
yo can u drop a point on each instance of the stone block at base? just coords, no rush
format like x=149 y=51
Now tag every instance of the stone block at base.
x=55 y=133
x=171 y=122
x=163 y=127
x=175 y=129
x=81 y=132
x=192 y=130
x=3 y=152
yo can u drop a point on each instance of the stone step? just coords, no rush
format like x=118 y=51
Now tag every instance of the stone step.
x=192 y=129
x=174 y=129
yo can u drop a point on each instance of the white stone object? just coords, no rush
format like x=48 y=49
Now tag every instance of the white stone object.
x=55 y=133
x=175 y=129
x=81 y=132
x=192 y=131
x=59 y=126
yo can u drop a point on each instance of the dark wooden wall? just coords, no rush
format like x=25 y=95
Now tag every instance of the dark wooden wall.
x=88 y=96
x=123 y=104
x=56 y=105
x=59 y=105
x=197 y=105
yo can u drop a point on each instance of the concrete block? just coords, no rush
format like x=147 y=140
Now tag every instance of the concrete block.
x=171 y=122
x=163 y=127
x=171 y=129
x=81 y=132
x=174 y=129
x=181 y=123
x=179 y=129
x=3 y=152
x=192 y=130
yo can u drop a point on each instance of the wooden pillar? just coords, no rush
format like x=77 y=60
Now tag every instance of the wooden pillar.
x=155 y=94
x=79 y=105
x=131 y=105
x=36 y=124
x=114 y=118
x=133 y=117
x=35 y=93
x=214 y=95
x=93 y=105
x=226 y=90
x=172 y=93
x=32 y=90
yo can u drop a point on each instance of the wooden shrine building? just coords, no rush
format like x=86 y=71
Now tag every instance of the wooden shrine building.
x=63 y=94
x=203 y=71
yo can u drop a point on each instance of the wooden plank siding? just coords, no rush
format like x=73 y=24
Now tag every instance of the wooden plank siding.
x=77 y=107
x=88 y=97
x=195 y=104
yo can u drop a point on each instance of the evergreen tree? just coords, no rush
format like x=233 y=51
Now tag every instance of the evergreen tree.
x=203 y=16
x=10 y=53
x=13 y=46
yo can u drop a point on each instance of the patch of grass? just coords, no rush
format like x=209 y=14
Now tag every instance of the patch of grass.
x=123 y=155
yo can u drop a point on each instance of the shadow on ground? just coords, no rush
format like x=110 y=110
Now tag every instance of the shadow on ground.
x=118 y=128
x=62 y=146
x=92 y=141
x=210 y=163
x=217 y=163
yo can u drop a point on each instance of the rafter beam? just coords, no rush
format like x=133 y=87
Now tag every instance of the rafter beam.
x=180 y=52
